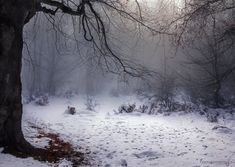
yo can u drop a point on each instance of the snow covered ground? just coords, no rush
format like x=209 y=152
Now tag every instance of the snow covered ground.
x=133 y=140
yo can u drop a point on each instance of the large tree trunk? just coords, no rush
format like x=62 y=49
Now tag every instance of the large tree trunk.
x=13 y=15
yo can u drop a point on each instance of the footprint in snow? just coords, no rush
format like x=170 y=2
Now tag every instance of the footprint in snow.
x=181 y=154
x=148 y=155
x=123 y=163
x=110 y=155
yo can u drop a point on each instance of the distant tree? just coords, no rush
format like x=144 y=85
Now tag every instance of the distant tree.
x=211 y=64
x=206 y=34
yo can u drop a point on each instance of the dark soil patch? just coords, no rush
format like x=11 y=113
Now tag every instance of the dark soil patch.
x=56 y=150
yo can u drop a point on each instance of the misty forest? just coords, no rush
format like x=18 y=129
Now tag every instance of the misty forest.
x=117 y=83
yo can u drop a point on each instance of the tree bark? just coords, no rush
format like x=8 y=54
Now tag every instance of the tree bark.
x=13 y=15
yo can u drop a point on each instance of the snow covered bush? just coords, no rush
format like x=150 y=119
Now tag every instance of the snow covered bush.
x=212 y=115
x=42 y=100
x=143 y=108
x=91 y=104
x=127 y=108
x=69 y=94
x=26 y=100
x=155 y=105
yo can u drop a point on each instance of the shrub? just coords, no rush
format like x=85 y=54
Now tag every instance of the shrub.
x=42 y=100
x=129 y=108
x=143 y=108
x=91 y=104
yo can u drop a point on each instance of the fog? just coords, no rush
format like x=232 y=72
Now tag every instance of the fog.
x=57 y=58
x=117 y=83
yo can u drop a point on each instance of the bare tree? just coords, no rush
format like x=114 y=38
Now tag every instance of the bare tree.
x=206 y=34
x=200 y=13
x=14 y=14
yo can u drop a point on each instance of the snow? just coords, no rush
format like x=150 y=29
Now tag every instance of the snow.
x=135 y=140
x=7 y=160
